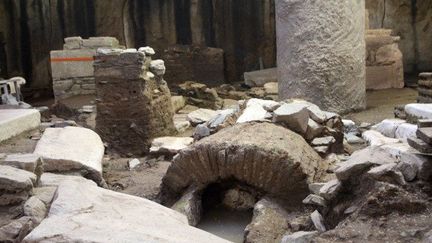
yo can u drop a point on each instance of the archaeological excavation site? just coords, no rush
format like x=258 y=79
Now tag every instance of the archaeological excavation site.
x=204 y=121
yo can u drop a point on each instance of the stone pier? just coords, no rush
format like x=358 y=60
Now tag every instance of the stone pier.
x=321 y=52
x=133 y=100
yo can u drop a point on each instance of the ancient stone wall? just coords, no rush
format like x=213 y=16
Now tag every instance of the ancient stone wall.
x=72 y=68
x=244 y=29
x=133 y=101
x=425 y=88
x=321 y=52
x=200 y=64
x=412 y=21
x=384 y=64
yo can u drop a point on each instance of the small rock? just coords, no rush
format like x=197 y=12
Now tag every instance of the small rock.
x=375 y=138
x=178 y=102
x=13 y=179
x=316 y=200
x=387 y=173
x=408 y=170
x=35 y=209
x=300 y=237
x=170 y=145
x=316 y=187
x=294 y=115
x=190 y=205
x=349 y=126
x=354 y=139
x=201 y=116
x=271 y=88
x=324 y=141
x=147 y=50
x=201 y=131
x=388 y=127
x=221 y=118
x=314 y=130
x=88 y=109
x=330 y=189
x=318 y=221
x=252 y=113
x=237 y=199
x=133 y=163
x=157 y=67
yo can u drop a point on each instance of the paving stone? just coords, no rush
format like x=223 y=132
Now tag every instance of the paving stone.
x=425 y=134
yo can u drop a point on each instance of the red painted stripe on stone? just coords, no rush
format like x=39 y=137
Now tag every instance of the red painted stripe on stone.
x=72 y=59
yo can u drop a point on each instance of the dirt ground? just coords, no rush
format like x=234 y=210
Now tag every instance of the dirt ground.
x=380 y=104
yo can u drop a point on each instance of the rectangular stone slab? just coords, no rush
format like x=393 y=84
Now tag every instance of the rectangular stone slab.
x=16 y=121
x=425 y=134
x=424 y=123
x=420 y=145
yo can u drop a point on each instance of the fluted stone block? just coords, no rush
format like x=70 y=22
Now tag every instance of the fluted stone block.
x=321 y=52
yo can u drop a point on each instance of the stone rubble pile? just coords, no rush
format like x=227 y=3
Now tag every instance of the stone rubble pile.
x=424 y=88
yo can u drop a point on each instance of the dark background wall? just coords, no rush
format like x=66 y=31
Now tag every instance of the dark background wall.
x=244 y=29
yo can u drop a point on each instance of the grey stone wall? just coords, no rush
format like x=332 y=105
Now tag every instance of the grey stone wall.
x=72 y=68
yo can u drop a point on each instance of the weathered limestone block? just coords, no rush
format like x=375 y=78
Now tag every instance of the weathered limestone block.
x=321 y=52
x=72 y=67
x=72 y=149
x=83 y=212
x=384 y=63
x=263 y=155
x=16 y=121
x=134 y=105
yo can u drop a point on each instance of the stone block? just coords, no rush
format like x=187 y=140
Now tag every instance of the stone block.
x=72 y=149
x=16 y=121
x=67 y=64
x=261 y=77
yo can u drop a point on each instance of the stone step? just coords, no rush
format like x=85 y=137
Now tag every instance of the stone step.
x=16 y=121
x=420 y=145
x=424 y=123
x=425 y=134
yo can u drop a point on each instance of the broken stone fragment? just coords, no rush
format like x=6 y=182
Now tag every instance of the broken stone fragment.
x=190 y=205
x=16 y=230
x=201 y=116
x=300 y=237
x=387 y=173
x=356 y=165
x=157 y=67
x=27 y=162
x=201 y=131
x=133 y=163
x=315 y=200
x=35 y=209
x=238 y=199
x=388 y=127
x=269 y=223
x=323 y=141
x=170 y=145
x=147 y=50
x=408 y=170
x=221 y=118
x=16 y=180
x=271 y=88
x=330 y=190
x=318 y=221
x=254 y=112
x=420 y=145
x=315 y=187
x=178 y=102
x=314 y=130
x=45 y=194
x=375 y=138
x=294 y=116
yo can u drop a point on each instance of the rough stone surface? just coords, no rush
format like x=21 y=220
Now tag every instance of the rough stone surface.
x=27 y=162
x=201 y=116
x=190 y=206
x=330 y=190
x=134 y=104
x=72 y=149
x=16 y=121
x=262 y=155
x=294 y=115
x=269 y=223
x=315 y=200
x=318 y=221
x=419 y=111
x=170 y=145
x=83 y=212
x=300 y=237
x=35 y=209
x=310 y=66
x=15 y=180
x=375 y=138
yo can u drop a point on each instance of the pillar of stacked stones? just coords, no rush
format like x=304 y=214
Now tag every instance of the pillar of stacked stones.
x=425 y=88
x=133 y=100
x=321 y=52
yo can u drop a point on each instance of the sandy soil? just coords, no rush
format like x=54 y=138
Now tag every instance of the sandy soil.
x=380 y=104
